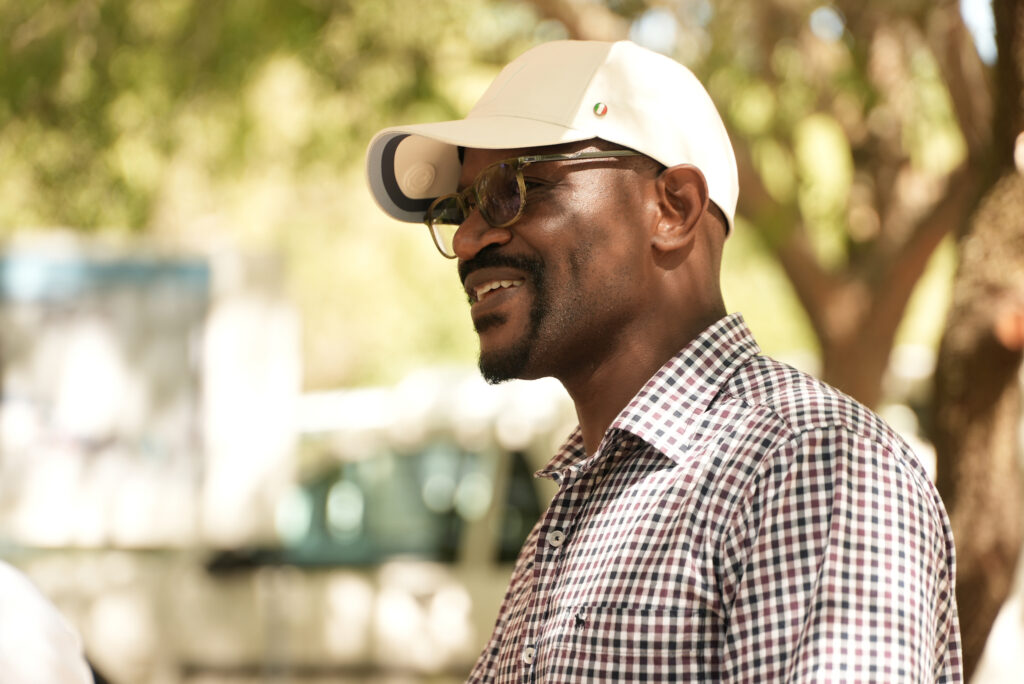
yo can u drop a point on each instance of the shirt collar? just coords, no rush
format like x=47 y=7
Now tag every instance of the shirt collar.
x=668 y=407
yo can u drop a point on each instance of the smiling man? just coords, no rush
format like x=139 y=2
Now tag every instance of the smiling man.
x=719 y=516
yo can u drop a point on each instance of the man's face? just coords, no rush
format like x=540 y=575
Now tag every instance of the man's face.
x=553 y=294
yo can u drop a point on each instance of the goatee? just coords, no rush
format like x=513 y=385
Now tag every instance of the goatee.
x=505 y=364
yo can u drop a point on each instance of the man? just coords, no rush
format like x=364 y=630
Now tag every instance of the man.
x=719 y=516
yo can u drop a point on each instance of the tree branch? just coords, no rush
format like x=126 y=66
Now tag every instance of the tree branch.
x=904 y=267
x=970 y=90
x=814 y=286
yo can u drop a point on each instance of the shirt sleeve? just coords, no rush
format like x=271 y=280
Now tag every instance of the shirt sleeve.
x=840 y=567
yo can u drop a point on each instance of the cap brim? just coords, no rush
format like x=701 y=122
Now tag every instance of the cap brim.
x=405 y=181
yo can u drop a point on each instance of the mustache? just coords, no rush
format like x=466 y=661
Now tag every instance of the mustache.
x=490 y=256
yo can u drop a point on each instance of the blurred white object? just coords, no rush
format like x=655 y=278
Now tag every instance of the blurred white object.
x=37 y=645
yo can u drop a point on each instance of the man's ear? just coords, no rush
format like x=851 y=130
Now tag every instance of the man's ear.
x=683 y=199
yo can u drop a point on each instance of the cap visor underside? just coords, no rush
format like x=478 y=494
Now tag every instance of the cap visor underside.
x=490 y=133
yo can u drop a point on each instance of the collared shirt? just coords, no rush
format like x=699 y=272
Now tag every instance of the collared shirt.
x=740 y=521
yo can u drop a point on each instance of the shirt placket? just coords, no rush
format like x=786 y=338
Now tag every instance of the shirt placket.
x=555 y=531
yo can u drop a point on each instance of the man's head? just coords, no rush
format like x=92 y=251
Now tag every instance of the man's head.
x=556 y=93
x=563 y=257
x=553 y=289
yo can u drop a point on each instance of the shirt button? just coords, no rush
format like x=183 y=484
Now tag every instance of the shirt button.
x=528 y=653
x=556 y=538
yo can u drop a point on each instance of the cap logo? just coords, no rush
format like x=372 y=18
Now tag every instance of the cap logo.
x=600 y=109
x=418 y=178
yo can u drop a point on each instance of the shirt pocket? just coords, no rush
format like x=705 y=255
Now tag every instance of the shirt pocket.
x=628 y=643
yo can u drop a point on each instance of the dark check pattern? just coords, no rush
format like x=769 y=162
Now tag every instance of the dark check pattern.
x=742 y=522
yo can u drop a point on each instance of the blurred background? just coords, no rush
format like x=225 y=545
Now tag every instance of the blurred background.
x=242 y=437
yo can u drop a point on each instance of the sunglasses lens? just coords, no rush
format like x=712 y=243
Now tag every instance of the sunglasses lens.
x=444 y=217
x=499 y=195
x=444 y=237
x=447 y=211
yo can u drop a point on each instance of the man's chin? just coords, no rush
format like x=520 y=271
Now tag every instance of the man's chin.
x=499 y=366
x=500 y=360
x=506 y=344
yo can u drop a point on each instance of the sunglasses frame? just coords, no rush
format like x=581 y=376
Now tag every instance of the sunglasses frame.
x=469 y=198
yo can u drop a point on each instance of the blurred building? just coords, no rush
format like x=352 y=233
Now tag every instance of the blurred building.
x=100 y=434
x=166 y=484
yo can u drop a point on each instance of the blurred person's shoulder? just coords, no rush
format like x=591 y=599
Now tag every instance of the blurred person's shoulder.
x=37 y=644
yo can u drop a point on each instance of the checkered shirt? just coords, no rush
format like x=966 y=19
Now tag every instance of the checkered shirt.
x=740 y=521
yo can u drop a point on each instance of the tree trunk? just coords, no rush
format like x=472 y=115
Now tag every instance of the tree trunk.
x=857 y=365
x=977 y=400
x=977 y=412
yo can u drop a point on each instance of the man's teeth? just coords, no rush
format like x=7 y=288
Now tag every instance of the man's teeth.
x=496 y=285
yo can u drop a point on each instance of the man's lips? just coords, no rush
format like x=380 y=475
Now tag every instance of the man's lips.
x=485 y=282
x=487 y=288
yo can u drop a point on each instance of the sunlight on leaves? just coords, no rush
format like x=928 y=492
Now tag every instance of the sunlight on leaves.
x=776 y=168
x=826 y=172
x=753 y=109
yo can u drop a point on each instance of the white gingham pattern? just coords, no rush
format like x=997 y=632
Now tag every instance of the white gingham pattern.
x=739 y=522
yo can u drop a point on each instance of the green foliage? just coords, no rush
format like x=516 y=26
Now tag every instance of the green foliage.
x=241 y=124
x=811 y=110
x=754 y=284
x=826 y=171
x=102 y=97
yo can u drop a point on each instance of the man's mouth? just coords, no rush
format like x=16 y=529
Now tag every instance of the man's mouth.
x=483 y=290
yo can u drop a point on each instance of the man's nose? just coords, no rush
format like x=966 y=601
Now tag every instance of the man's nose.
x=474 y=234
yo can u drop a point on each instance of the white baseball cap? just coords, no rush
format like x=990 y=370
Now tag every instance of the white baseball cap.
x=560 y=92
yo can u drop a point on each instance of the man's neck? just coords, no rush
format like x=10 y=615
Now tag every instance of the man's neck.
x=600 y=393
x=599 y=400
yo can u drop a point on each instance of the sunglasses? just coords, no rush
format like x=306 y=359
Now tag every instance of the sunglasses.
x=499 y=192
